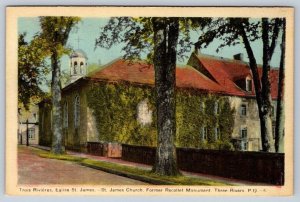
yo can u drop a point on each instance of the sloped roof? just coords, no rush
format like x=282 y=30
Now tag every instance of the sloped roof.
x=227 y=71
x=140 y=72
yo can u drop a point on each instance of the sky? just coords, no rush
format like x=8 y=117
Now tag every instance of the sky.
x=88 y=30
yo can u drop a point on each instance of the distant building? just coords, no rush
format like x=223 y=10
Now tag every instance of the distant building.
x=28 y=121
x=209 y=78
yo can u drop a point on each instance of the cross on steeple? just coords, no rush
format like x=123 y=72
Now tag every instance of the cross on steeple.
x=78 y=40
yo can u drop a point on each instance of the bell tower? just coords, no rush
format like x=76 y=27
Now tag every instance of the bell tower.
x=78 y=65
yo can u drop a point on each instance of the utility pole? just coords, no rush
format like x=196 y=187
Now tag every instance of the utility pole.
x=27 y=134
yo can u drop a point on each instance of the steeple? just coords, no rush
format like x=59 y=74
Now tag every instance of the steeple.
x=78 y=65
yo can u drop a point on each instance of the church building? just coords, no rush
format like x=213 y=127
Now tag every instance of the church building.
x=215 y=104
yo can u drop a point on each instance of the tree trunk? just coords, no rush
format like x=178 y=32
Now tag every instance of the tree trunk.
x=257 y=87
x=266 y=108
x=262 y=86
x=279 y=128
x=166 y=32
x=57 y=144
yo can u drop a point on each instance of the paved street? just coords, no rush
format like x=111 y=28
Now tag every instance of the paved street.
x=34 y=170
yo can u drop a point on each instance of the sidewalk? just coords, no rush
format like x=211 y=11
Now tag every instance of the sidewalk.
x=234 y=182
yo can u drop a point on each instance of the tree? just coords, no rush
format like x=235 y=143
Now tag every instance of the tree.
x=31 y=69
x=55 y=32
x=279 y=128
x=230 y=30
x=157 y=38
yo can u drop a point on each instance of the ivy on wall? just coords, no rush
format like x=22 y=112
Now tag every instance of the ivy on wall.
x=115 y=109
x=196 y=111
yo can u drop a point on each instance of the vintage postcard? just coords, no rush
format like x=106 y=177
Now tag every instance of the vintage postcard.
x=187 y=101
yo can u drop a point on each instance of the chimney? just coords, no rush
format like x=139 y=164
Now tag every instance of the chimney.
x=238 y=56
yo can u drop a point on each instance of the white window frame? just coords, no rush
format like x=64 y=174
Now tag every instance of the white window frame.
x=243 y=109
x=242 y=134
x=217 y=133
x=204 y=133
x=31 y=133
x=217 y=108
x=249 y=87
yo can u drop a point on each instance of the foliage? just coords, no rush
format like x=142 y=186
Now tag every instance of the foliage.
x=55 y=33
x=93 y=67
x=233 y=31
x=195 y=111
x=117 y=103
x=137 y=36
x=31 y=70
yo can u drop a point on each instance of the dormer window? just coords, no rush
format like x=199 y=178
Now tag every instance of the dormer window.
x=248 y=84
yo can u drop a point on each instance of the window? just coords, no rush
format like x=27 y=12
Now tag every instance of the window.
x=31 y=133
x=217 y=133
x=273 y=130
x=244 y=133
x=77 y=111
x=217 y=108
x=243 y=110
x=65 y=115
x=244 y=145
x=75 y=67
x=144 y=113
x=204 y=133
x=81 y=67
x=202 y=106
x=248 y=85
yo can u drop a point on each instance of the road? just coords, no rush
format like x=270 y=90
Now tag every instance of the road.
x=35 y=170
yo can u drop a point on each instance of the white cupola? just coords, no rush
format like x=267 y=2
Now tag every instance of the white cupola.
x=78 y=65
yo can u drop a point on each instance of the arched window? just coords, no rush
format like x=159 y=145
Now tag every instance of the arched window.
x=65 y=111
x=76 y=111
x=75 y=67
x=81 y=67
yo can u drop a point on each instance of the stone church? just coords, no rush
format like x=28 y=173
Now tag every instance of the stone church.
x=216 y=80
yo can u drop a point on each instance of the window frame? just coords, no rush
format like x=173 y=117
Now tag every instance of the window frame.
x=243 y=112
x=204 y=133
x=248 y=86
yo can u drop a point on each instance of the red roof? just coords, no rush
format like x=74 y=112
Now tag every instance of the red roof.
x=225 y=72
x=139 y=72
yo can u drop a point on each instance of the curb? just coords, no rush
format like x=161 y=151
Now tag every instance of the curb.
x=131 y=176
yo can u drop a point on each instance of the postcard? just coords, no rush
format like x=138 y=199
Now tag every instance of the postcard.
x=184 y=101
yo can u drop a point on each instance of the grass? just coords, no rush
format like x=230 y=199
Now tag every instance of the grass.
x=131 y=171
x=178 y=180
